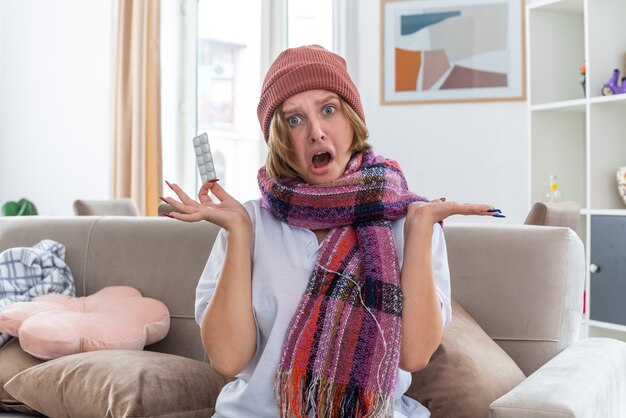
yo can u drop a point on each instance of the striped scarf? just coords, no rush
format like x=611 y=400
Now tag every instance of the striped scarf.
x=342 y=348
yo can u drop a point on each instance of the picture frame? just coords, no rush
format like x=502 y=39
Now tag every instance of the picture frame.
x=447 y=51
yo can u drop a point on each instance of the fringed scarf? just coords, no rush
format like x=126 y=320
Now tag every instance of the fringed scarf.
x=342 y=348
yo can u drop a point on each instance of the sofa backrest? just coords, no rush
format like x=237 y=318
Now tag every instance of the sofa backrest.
x=161 y=257
x=523 y=284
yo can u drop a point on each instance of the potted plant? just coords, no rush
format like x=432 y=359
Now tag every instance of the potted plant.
x=23 y=207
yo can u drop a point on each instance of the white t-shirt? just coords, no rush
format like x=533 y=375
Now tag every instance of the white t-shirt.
x=283 y=259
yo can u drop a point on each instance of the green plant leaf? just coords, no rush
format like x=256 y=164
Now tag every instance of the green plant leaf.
x=10 y=208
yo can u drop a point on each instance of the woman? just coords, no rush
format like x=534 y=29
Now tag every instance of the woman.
x=321 y=297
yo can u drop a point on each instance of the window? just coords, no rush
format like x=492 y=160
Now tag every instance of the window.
x=310 y=22
x=229 y=80
x=215 y=88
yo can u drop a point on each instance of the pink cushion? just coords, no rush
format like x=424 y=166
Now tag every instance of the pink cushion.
x=116 y=317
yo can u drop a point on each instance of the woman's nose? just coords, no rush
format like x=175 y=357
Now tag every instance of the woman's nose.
x=317 y=132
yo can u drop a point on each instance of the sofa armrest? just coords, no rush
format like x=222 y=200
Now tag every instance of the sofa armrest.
x=588 y=379
x=501 y=273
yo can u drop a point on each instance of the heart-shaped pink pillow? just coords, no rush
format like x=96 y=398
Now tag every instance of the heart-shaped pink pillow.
x=116 y=317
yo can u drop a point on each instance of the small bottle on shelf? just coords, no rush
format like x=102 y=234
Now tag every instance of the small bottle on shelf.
x=554 y=194
x=583 y=80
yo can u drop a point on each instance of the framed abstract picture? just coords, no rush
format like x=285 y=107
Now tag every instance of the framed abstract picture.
x=436 y=51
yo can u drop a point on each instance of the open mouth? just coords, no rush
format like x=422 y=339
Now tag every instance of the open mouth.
x=320 y=159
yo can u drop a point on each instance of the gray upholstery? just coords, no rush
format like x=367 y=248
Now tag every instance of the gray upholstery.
x=110 y=207
x=594 y=369
x=523 y=284
x=161 y=257
x=554 y=214
x=165 y=208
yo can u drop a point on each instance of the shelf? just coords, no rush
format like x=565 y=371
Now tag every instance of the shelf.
x=607 y=212
x=607 y=152
x=616 y=98
x=606 y=325
x=563 y=6
x=556 y=44
x=580 y=136
x=607 y=41
x=577 y=105
x=558 y=147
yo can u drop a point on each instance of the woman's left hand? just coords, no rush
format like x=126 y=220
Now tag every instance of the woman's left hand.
x=422 y=325
x=439 y=209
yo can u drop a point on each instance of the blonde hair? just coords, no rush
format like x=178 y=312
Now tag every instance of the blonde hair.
x=281 y=158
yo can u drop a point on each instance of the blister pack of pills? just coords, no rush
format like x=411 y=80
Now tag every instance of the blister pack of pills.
x=204 y=159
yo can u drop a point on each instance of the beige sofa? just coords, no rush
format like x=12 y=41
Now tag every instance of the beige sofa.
x=522 y=284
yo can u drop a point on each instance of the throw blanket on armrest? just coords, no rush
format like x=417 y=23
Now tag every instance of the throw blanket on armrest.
x=27 y=272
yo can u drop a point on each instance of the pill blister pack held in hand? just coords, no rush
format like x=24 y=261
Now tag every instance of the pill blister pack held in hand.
x=204 y=159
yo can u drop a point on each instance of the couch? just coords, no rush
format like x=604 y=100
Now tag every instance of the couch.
x=520 y=285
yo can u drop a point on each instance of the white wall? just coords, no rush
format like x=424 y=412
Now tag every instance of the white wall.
x=472 y=152
x=55 y=87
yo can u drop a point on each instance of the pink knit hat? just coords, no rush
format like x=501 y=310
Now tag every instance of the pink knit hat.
x=300 y=69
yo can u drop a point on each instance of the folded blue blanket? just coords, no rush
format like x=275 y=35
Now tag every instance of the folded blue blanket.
x=27 y=272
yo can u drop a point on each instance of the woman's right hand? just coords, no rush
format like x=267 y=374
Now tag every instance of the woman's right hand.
x=228 y=328
x=228 y=213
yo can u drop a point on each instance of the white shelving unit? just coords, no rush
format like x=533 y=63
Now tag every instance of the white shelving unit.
x=577 y=134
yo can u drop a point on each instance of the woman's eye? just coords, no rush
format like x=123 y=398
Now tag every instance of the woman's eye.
x=329 y=110
x=293 y=120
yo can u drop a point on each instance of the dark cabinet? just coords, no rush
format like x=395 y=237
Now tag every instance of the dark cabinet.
x=608 y=269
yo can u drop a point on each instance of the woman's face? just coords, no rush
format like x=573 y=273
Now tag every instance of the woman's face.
x=321 y=134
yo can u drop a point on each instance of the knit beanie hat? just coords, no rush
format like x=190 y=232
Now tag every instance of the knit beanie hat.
x=300 y=69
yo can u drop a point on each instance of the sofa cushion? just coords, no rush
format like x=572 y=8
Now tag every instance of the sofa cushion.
x=12 y=361
x=467 y=372
x=119 y=383
x=116 y=317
